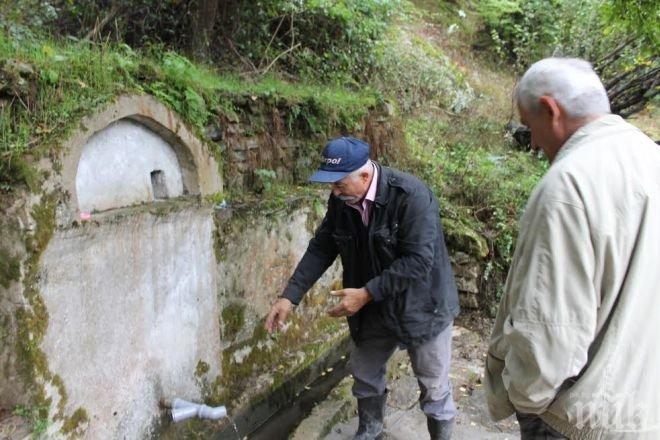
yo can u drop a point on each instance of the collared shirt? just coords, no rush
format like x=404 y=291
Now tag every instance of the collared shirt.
x=364 y=208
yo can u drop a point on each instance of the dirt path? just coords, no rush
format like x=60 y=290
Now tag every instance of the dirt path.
x=335 y=419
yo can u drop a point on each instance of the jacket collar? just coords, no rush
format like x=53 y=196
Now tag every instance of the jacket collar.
x=587 y=130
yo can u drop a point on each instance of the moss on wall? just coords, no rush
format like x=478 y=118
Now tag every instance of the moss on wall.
x=233 y=319
x=32 y=322
x=10 y=268
x=202 y=368
x=32 y=319
x=461 y=237
x=276 y=357
x=73 y=426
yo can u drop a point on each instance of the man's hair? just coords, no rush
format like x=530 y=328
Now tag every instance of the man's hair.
x=572 y=82
x=364 y=168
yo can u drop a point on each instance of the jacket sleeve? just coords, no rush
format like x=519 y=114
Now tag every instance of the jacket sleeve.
x=551 y=320
x=418 y=229
x=320 y=254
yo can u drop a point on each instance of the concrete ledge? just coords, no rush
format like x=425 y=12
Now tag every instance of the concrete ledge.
x=339 y=406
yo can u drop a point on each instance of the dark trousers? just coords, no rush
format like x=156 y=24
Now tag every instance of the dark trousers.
x=532 y=427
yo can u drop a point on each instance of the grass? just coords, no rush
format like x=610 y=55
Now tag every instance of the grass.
x=47 y=86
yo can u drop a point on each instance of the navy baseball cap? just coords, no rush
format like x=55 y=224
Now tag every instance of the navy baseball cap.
x=341 y=157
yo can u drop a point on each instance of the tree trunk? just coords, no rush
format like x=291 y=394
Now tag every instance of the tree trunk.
x=202 y=28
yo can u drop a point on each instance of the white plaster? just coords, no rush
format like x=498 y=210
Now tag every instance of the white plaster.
x=132 y=310
x=240 y=355
x=116 y=164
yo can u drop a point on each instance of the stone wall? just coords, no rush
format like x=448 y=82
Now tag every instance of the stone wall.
x=268 y=137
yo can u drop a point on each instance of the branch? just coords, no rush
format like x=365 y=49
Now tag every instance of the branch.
x=636 y=81
x=612 y=56
x=635 y=105
x=271 y=40
x=278 y=57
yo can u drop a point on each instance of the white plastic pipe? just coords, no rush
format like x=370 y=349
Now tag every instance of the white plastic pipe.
x=182 y=410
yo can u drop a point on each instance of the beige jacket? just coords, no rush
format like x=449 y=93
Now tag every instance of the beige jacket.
x=577 y=336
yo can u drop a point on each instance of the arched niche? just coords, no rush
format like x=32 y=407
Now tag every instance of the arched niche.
x=126 y=164
x=134 y=151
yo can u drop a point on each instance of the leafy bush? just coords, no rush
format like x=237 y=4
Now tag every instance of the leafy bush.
x=312 y=39
x=416 y=74
x=326 y=39
x=481 y=181
x=522 y=31
x=621 y=38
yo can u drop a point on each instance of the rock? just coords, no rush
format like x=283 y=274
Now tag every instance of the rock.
x=468 y=300
x=462 y=238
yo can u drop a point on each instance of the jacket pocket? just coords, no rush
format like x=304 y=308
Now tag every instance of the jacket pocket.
x=385 y=243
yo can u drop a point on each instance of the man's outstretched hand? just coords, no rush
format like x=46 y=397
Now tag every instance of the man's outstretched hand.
x=278 y=314
x=352 y=300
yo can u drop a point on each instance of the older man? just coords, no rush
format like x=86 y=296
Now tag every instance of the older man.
x=574 y=350
x=398 y=284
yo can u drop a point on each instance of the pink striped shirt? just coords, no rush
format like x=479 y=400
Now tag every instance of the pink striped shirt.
x=364 y=208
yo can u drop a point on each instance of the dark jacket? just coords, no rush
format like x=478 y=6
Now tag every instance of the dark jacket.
x=410 y=277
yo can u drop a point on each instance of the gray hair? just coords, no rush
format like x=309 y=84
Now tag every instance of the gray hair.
x=364 y=168
x=572 y=82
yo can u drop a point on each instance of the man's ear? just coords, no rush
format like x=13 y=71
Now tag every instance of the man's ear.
x=550 y=107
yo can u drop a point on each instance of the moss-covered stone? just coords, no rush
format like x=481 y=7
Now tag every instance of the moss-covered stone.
x=461 y=237
x=32 y=318
x=277 y=357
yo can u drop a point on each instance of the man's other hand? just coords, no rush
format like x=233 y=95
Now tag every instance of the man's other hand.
x=278 y=314
x=352 y=300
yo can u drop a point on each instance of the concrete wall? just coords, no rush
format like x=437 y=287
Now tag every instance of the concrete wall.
x=132 y=313
x=124 y=164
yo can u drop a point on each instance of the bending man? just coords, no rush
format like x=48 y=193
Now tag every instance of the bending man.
x=399 y=289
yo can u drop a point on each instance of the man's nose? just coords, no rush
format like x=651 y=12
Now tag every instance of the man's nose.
x=336 y=192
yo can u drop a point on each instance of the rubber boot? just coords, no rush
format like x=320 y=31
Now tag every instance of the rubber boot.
x=440 y=429
x=371 y=411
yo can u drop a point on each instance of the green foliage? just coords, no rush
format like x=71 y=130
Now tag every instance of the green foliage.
x=265 y=179
x=638 y=18
x=526 y=31
x=416 y=73
x=46 y=87
x=312 y=39
x=522 y=31
x=337 y=37
x=481 y=181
